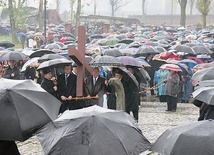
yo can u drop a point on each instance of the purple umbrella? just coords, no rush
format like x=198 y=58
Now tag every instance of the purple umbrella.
x=129 y=61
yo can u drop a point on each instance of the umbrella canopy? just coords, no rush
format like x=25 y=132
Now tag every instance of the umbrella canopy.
x=191 y=44
x=29 y=62
x=105 y=61
x=113 y=52
x=127 y=51
x=193 y=138
x=54 y=63
x=143 y=50
x=143 y=62
x=40 y=53
x=203 y=65
x=183 y=67
x=127 y=75
x=161 y=49
x=199 y=61
x=111 y=41
x=126 y=41
x=204 y=74
x=168 y=54
x=6 y=44
x=183 y=48
x=28 y=52
x=189 y=62
x=24 y=108
x=93 y=130
x=50 y=57
x=172 y=67
x=129 y=61
x=52 y=46
x=13 y=55
x=204 y=94
x=4 y=51
x=205 y=83
x=201 y=50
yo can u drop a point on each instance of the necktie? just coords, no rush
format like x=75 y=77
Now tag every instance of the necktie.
x=66 y=79
x=95 y=79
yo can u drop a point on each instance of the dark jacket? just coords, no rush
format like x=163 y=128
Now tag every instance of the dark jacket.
x=30 y=73
x=8 y=71
x=132 y=97
x=48 y=86
x=70 y=88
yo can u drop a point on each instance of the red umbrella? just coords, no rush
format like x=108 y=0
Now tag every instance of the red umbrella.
x=172 y=67
x=168 y=54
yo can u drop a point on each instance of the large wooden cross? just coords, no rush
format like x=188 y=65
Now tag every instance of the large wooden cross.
x=78 y=56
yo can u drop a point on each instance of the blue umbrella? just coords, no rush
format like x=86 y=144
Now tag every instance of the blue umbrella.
x=189 y=62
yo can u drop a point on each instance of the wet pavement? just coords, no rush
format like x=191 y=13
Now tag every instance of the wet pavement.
x=153 y=121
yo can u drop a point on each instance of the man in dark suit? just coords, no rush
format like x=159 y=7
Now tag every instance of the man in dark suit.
x=95 y=87
x=66 y=84
x=48 y=84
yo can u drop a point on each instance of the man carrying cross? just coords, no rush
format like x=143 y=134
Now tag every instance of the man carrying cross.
x=95 y=86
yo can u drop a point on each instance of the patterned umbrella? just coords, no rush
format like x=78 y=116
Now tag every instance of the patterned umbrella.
x=105 y=61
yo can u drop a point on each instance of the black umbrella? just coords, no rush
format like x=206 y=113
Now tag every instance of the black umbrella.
x=161 y=49
x=202 y=50
x=144 y=50
x=41 y=52
x=127 y=75
x=49 y=57
x=191 y=44
x=112 y=52
x=97 y=36
x=54 y=63
x=204 y=94
x=24 y=108
x=204 y=74
x=195 y=138
x=126 y=41
x=105 y=61
x=183 y=48
x=93 y=130
x=205 y=83
x=13 y=55
x=6 y=44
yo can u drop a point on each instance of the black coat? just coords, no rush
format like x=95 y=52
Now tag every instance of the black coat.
x=70 y=88
x=48 y=86
x=30 y=73
x=132 y=97
x=8 y=148
x=8 y=71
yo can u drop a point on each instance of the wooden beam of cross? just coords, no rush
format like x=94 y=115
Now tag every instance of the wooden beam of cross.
x=78 y=56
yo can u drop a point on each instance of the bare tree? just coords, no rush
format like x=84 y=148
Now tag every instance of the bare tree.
x=203 y=7
x=95 y=7
x=143 y=7
x=72 y=11
x=191 y=4
x=117 y=4
x=183 y=4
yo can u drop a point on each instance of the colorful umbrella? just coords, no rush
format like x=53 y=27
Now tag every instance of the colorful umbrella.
x=172 y=67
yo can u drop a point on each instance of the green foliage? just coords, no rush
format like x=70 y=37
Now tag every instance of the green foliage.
x=203 y=6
